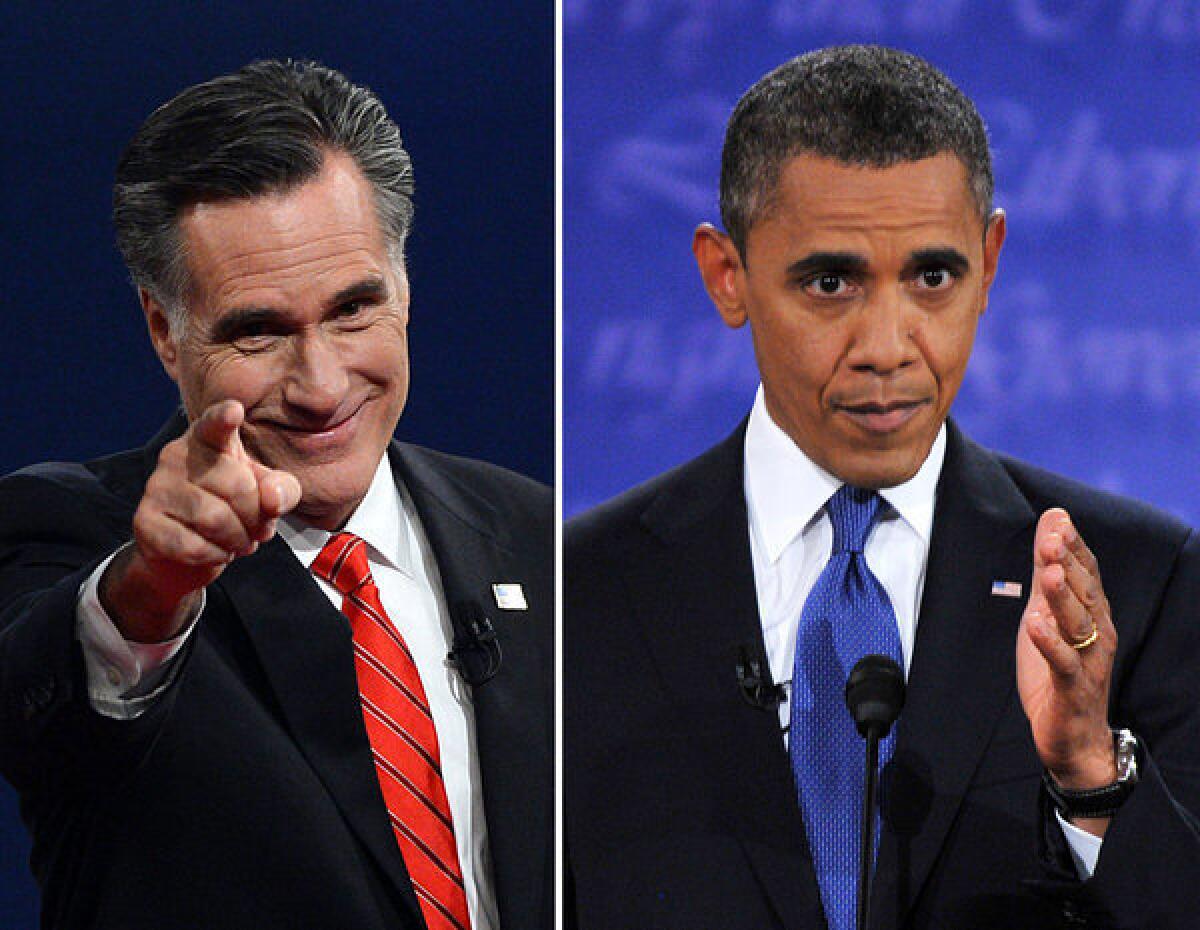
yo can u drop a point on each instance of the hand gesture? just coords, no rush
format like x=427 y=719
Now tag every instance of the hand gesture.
x=1065 y=651
x=206 y=504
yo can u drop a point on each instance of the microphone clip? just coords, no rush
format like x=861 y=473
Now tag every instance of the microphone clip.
x=754 y=681
x=476 y=651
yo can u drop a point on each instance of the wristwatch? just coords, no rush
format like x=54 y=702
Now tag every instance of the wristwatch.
x=1104 y=801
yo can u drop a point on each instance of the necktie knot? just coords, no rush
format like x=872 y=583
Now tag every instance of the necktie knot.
x=342 y=562
x=853 y=512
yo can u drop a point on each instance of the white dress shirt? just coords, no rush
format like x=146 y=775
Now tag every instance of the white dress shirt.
x=791 y=539
x=124 y=677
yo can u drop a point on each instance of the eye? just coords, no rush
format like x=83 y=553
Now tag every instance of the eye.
x=252 y=330
x=935 y=279
x=827 y=284
x=353 y=314
x=259 y=339
x=254 y=336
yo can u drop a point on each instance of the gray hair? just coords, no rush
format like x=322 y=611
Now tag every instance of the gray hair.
x=859 y=104
x=263 y=129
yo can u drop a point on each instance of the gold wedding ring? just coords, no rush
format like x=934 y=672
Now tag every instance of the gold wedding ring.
x=1092 y=637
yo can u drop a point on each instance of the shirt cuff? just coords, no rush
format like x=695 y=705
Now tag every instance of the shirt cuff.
x=123 y=677
x=1084 y=846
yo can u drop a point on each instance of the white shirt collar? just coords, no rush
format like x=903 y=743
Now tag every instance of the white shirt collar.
x=786 y=490
x=378 y=519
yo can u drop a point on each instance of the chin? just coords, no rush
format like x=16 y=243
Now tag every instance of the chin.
x=877 y=471
x=329 y=504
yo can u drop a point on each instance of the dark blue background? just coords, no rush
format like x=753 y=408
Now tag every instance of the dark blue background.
x=471 y=86
x=1088 y=359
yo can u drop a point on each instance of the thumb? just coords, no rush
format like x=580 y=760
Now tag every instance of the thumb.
x=278 y=491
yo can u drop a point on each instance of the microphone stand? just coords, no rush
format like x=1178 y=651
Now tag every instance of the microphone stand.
x=867 y=845
x=874 y=697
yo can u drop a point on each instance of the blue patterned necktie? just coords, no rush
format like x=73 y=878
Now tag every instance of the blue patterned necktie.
x=847 y=615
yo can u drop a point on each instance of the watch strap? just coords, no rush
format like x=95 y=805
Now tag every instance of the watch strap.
x=1107 y=799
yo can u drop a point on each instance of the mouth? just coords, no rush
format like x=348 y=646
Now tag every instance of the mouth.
x=882 y=419
x=328 y=433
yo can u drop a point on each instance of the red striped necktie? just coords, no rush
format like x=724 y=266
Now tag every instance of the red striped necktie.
x=403 y=739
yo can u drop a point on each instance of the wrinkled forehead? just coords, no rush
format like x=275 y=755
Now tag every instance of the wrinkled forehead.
x=323 y=229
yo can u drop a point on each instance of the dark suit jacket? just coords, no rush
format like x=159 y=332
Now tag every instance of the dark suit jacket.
x=247 y=797
x=680 y=805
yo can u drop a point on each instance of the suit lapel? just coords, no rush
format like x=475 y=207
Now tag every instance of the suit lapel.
x=474 y=550
x=963 y=671
x=704 y=614
x=305 y=648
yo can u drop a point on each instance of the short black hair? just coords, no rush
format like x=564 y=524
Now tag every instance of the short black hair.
x=263 y=129
x=859 y=104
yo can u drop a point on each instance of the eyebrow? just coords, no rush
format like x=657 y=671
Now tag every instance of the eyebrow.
x=373 y=288
x=845 y=262
x=938 y=257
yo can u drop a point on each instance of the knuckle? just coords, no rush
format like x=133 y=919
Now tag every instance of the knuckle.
x=177 y=541
x=222 y=525
x=208 y=516
x=174 y=451
x=192 y=551
x=156 y=486
x=241 y=480
x=143 y=525
x=229 y=480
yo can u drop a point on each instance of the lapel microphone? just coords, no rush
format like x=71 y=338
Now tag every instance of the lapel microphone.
x=754 y=680
x=476 y=652
x=875 y=697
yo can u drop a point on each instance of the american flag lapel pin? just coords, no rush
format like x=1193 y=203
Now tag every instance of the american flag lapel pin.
x=1006 y=588
x=509 y=596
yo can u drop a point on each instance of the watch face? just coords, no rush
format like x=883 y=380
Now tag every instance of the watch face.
x=1126 y=749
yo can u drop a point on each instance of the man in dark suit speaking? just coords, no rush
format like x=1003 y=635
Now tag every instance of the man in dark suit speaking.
x=275 y=669
x=1045 y=770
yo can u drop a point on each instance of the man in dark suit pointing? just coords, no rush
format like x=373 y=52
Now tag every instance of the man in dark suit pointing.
x=275 y=669
x=1044 y=769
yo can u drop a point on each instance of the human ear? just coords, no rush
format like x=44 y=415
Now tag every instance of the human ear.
x=993 y=240
x=158 y=323
x=721 y=270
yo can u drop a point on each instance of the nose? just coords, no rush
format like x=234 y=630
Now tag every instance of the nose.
x=883 y=335
x=317 y=381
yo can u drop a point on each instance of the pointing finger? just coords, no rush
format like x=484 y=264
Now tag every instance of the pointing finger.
x=217 y=428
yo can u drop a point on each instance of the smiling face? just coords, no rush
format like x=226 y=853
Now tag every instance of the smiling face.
x=296 y=310
x=863 y=288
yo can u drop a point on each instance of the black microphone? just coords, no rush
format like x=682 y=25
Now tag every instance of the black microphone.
x=476 y=652
x=754 y=680
x=875 y=696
